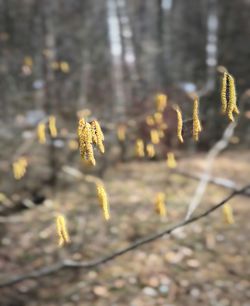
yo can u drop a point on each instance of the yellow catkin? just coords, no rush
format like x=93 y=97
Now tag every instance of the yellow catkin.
x=52 y=126
x=139 y=148
x=161 y=102
x=97 y=135
x=160 y=206
x=103 y=200
x=19 y=168
x=196 y=121
x=150 y=120
x=41 y=132
x=154 y=136
x=179 y=123
x=121 y=132
x=62 y=231
x=171 y=161
x=224 y=93
x=232 y=99
x=65 y=68
x=150 y=150
x=85 y=141
x=228 y=214
x=158 y=118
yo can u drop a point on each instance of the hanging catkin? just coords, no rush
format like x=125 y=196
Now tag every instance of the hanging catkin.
x=179 y=123
x=62 y=230
x=196 y=121
x=103 y=200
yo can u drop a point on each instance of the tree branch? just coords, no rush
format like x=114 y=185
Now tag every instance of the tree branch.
x=211 y=156
x=217 y=181
x=92 y=264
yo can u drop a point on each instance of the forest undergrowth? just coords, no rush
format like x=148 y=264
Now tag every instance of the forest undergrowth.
x=203 y=261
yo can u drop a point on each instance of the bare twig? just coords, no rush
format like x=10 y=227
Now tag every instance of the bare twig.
x=36 y=274
x=217 y=181
x=212 y=154
x=79 y=175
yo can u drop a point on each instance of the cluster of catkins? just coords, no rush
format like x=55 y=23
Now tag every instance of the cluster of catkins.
x=41 y=129
x=90 y=134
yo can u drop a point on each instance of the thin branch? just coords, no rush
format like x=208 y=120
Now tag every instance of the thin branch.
x=217 y=181
x=212 y=154
x=92 y=264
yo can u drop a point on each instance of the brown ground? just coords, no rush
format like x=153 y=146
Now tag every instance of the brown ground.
x=206 y=263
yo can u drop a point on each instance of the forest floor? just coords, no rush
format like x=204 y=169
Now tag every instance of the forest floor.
x=204 y=263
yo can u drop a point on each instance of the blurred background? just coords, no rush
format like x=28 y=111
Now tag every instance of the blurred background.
x=108 y=60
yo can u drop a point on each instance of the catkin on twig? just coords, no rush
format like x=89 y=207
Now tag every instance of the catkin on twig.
x=158 y=117
x=196 y=121
x=88 y=135
x=232 y=100
x=41 y=132
x=224 y=93
x=161 y=102
x=150 y=120
x=85 y=137
x=160 y=207
x=62 y=230
x=228 y=96
x=155 y=137
x=179 y=123
x=150 y=150
x=97 y=135
x=171 y=161
x=228 y=214
x=103 y=200
x=52 y=126
x=19 y=168
x=139 y=148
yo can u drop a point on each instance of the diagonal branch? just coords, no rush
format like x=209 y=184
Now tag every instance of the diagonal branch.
x=214 y=180
x=36 y=274
x=212 y=154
